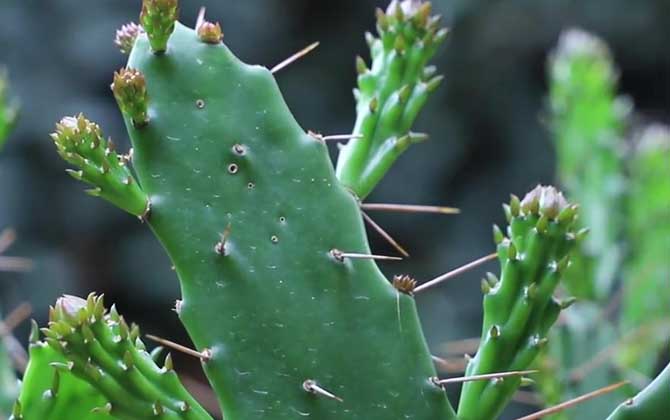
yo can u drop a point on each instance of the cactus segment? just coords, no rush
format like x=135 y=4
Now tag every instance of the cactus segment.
x=650 y=404
x=646 y=296
x=158 y=18
x=519 y=309
x=48 y=393
x=81 y=143
x=8 y=112
x=391 y=93
x=222 y=153
x=101 y=349
x=588 y=121
x=126 y=36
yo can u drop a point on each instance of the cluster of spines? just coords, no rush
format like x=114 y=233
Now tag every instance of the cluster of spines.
x=391 y=92
x=519 y=308
x=81 y=143
x=103 y=350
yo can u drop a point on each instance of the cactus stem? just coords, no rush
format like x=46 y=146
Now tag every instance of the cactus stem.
x=385 y=235
x=340 y=256
x=204 y=355
x=456 y=272
x=485 y=377
x=409 y=208
x=295 y=57
x=571 y=403
x=311 y=386
x=220 y=247
x=337 y=137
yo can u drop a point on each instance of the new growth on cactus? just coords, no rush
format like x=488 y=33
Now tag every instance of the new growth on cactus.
x=391 y=92
x=519 y=308
x=110 y=360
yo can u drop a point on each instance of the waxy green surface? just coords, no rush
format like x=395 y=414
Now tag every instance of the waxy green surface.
x=277 y=309
x=652 y=403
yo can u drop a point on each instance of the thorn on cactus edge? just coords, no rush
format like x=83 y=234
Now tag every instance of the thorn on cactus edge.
x=295 y=57
x=204 y=355
x=311 y=386
x=340 y=256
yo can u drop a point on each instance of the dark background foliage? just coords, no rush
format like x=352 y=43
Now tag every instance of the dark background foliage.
x=487 y=134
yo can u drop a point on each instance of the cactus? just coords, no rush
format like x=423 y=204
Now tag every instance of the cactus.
x=105 y=364
x=614 y=182
x=646 y=297
x=224 y=167
x=588 y=121
x=289 y=313
x=48 y=393
x=519 y=308
x=391 y=92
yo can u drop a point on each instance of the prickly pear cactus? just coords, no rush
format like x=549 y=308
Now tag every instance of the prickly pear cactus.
x=519 y=308
x=259 y=229
x=391 y=92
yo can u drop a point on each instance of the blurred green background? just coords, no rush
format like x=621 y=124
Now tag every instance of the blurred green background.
x=487 y=134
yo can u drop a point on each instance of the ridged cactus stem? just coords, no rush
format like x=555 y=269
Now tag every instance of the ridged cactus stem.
x=49 y=393
x=391 y=93
x=81 y=143
x=519 y=308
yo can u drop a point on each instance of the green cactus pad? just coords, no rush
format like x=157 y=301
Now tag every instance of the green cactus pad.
x=391 y=93
x=519 y=309
x=280 y=316
x=101 y=349
x=652 y=403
